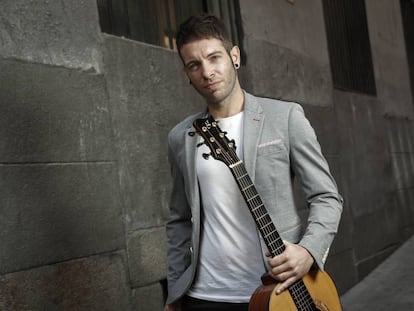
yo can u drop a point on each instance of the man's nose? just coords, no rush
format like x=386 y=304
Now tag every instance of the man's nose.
x=208 y=71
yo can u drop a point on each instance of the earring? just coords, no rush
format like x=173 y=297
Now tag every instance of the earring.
x=237 y=66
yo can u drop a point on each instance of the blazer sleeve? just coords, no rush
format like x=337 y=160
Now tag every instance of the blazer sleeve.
x=324 y=201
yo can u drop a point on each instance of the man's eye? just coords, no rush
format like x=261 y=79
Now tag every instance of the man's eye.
x=192 y=67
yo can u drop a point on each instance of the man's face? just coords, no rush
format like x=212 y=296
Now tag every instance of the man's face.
x=210 y=68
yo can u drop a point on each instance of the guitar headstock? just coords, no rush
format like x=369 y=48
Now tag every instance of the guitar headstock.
x=221 y=147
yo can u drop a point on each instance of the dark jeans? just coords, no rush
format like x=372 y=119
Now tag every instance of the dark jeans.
x=193 y=304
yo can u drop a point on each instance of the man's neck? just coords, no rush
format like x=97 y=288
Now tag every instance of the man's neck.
x=229 y=107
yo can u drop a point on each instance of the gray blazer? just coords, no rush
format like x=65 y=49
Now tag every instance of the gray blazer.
x=279 y=145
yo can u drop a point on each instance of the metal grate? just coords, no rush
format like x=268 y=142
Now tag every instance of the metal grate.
x=349 y=45
x=407 y=11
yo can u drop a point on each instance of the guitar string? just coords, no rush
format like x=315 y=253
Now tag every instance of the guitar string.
x=257 y=208
x=265 y=223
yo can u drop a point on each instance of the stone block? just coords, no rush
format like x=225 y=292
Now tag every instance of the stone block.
x=367 y=265
x=95 y=283
x=147 y=256
x=148 y=96
x=400 y=135
x=402 y=170
x=55 y=212
x=278 y=72
x=375 y=232
x=50 y=114
x=299 y=27
x=403 y=203
x=60 y=33
x=388 y=49
x=148 y=298
x=341 y=268
x=365 y=158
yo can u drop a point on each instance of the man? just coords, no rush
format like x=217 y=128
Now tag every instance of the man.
x=216 y=256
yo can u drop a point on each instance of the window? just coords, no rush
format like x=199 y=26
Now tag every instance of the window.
x=407 y=11
x=349 y=46
x=156 y=21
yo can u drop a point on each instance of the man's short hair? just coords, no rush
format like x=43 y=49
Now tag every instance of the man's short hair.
x=203 y=26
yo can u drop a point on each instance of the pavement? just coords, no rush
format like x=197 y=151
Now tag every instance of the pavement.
x=389 y=287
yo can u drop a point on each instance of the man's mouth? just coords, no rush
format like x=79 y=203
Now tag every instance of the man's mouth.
x=212 y=85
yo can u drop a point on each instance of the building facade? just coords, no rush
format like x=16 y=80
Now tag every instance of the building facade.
x=84 y=116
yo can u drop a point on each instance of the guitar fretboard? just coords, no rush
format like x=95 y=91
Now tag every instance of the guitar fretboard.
x=263 y=221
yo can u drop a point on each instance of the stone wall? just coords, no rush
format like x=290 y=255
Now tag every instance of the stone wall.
x=84 y=178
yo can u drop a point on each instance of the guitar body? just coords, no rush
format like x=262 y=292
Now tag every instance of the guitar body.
x=318 y=283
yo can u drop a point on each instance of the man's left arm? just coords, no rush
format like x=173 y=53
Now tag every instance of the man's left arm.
x=311 y=169
x=323 y=199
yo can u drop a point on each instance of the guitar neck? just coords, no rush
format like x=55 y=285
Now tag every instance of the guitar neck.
x=255 y=204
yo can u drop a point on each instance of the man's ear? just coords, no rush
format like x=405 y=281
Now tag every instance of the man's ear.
x=235 y=55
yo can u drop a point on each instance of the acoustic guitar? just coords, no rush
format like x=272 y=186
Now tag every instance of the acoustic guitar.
x=316 y=290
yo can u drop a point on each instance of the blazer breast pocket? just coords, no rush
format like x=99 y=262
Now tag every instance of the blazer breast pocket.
x=275 y=147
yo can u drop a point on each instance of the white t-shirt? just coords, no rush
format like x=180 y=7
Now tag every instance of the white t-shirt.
x=231 y=263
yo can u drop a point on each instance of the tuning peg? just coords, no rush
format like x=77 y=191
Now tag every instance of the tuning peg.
x=199 y=145
x=191 y=134
x=206 y=156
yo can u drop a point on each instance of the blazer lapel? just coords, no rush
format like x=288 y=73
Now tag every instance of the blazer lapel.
x=253 y=125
